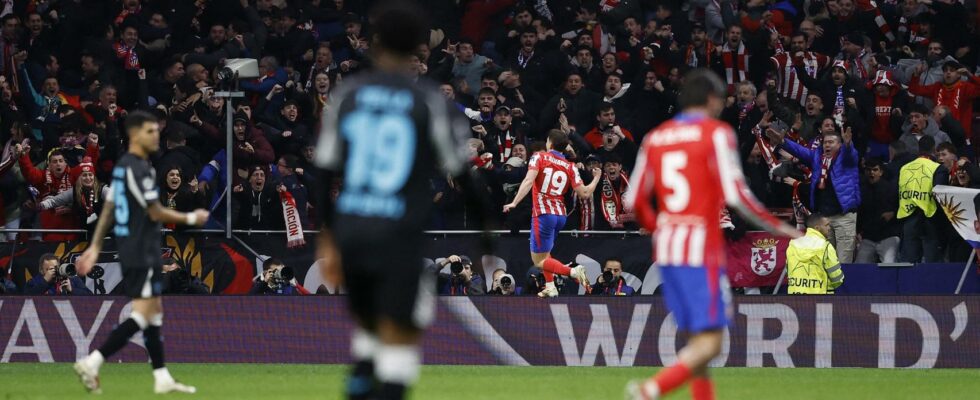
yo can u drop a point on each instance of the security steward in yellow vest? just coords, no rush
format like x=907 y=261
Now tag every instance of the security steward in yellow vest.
x=917 y=206
x=812 y=261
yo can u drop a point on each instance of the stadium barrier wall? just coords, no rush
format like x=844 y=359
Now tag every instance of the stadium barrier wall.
x=227 y=266
x=774 y=331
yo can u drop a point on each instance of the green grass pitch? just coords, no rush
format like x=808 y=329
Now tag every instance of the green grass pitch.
x=276 y=381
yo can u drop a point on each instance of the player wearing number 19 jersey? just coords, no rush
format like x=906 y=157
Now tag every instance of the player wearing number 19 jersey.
x=548 y=179
x=686 y=172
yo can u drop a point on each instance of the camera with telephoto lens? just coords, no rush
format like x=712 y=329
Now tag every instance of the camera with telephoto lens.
x=456 y=268
x=506 y=281
x=607 y=277
x=65 y=271
x=281 y=277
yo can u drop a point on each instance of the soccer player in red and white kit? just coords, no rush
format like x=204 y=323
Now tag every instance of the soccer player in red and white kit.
x=686 y=172
x=550 y=176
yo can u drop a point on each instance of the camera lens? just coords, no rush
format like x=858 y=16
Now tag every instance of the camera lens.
x=607 y=276
x=286 y=273
x=506 y=281
x=97 y=272
x=66 y=270
x=456 y=268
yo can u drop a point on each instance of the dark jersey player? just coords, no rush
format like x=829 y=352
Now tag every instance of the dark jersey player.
x=386 y=136
x=134 y=213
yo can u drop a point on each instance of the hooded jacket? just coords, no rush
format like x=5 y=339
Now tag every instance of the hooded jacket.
x=931 y=129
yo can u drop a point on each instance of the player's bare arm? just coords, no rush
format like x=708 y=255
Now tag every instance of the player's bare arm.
x=586 y=191
x=85 y=262
x=159 y=213
x=525 y=188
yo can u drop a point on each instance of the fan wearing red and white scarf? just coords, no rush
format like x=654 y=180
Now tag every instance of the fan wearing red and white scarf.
x=735 y=59
x=611 y=199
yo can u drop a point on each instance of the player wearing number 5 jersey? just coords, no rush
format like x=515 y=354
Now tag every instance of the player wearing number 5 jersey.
x=548 y=179
x=686 y=172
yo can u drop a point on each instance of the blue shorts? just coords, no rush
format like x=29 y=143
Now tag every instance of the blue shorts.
x=544 y=231
x=699 y=298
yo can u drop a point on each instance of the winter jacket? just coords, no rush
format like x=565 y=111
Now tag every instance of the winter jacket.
x=932 y=129
x=48 y=185
x=38 y=286
x=958 y=97
x=843 y=173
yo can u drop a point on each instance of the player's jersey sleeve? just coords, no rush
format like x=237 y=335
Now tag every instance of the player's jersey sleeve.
x=449 y=132
x=736 y=191
x=576 y=178
x=141 y=183
x=535 y=162
x=330 y=146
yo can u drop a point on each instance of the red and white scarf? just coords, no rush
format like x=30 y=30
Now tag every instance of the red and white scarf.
x=505 y=144
x=127 y=55
x=294 y=228
x=825 y=171
x=883 y=26
x=736 y=65
x=691 y=56
x=800 y=212
x=611 y=199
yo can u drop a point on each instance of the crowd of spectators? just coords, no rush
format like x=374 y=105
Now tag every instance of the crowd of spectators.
x=829 y=100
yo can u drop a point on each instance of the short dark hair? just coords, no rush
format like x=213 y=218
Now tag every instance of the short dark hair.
x=136 y=119
x=834 y=133
x=948 y=147
x=873 y=162
x=291 y=160
x=919 y=108
x=927 y=145
x=559 y=140
x=399 y=27
x=813 y=219
x=603 y=107
x=43 y=259
x=271 y=262
x=616 y=259
x=699 y=86
x=486 y=90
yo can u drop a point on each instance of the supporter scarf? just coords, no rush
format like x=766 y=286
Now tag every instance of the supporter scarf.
x=839 y=103
x=883 y=26
x=88 y=201
x=800 y=212
x=825 y=171
x=691 y=56
x=768 y=151
x=586 y=214
x=128 y=56
x=294 y=228
x=53 y=188
x=954 y=103
x=522 y=59
x=859 y=64
x=611 y=199
x=504 y=144
x=736 y=65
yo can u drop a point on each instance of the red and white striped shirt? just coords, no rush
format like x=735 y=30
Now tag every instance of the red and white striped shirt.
x=686 y=172
x=788 y=84
x=556 y=176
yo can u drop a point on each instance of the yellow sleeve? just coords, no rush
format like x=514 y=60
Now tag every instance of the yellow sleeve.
x=835 y=275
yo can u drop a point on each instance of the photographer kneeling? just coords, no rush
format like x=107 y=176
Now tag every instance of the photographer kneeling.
x=611 y=282
x=461 y=280
x=177 y=280
x=504 y=284
x=276 y=278
x=54 y=278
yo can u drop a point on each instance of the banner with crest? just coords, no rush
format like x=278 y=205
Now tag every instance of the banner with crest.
x=961 y=206
x=757 y=259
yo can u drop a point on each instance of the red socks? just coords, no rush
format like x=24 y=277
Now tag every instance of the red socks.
x=701 y=389
x=551 y=267
x=671 y=378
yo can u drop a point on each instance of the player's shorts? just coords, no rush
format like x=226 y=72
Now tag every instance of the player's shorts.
x=544 y=231
x=699 y=297
x=384 y=277
x=142 y=283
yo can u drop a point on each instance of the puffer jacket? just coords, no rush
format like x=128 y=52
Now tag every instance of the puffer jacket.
x=843 y=173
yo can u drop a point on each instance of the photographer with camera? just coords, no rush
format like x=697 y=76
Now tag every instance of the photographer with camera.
x=461 y=280
x=504 y=284
x=55 y=278
x=278 y=279
x=611 y=282
x=177 y=280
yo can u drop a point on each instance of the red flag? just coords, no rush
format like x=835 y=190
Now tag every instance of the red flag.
x=757 y=259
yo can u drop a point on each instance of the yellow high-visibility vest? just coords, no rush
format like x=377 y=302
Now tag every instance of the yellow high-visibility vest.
x=915 y=187
x=813 y=265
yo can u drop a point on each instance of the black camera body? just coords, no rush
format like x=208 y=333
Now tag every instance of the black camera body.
x=281 y=277
x=456 y=268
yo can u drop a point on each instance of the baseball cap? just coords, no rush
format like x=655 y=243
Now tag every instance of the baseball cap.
x=502 y=109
